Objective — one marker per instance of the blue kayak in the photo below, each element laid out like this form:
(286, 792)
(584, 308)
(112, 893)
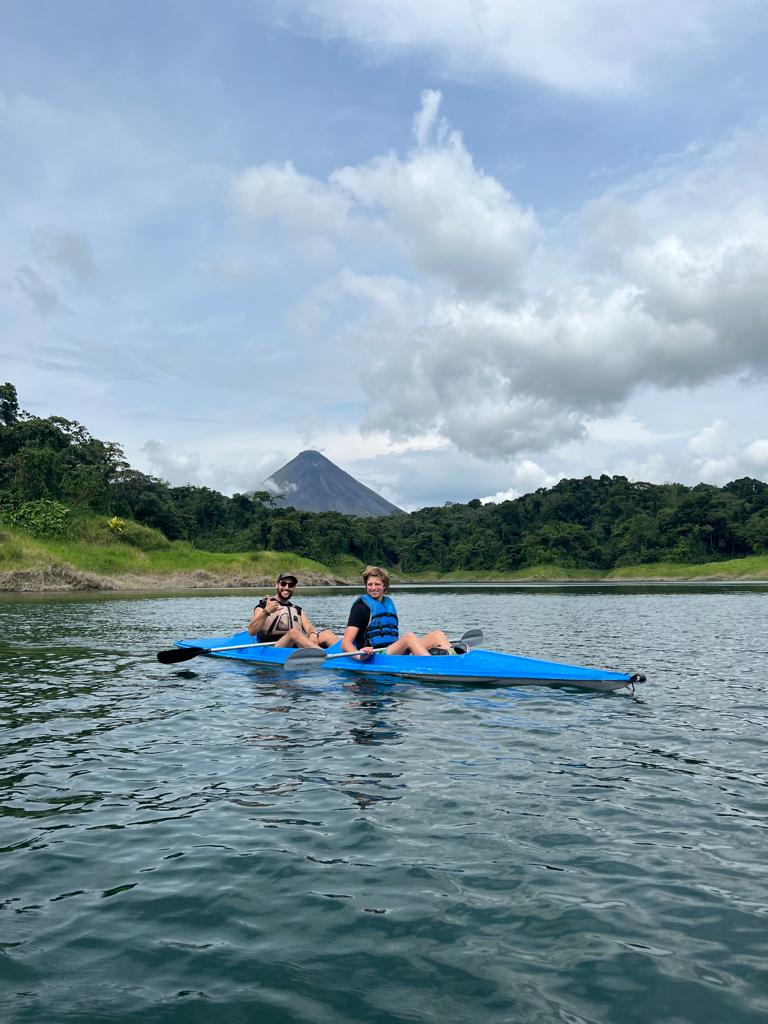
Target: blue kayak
(475, 666)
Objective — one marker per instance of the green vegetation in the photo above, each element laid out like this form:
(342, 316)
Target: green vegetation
(41, 518)
(66, 496)
(754, 568)
(94, 552)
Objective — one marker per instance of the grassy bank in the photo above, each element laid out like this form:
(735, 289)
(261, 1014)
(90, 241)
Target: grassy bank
(752, 568)
(141, 557)
(151, 561)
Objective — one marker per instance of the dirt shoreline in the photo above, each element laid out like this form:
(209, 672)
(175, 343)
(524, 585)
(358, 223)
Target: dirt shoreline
(60, 578)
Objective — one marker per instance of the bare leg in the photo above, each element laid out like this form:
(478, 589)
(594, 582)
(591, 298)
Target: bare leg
(295, 638)
(409, 643)
(436, 638)
(327, 638)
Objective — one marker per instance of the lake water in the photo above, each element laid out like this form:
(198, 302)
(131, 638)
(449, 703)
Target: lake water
(210, 842)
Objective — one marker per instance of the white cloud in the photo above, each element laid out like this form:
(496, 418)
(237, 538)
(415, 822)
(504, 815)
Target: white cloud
(586, 46)
(416, 478)
(234, 464)
(717, 461)
(508, 340)
(623, 430)
(711, 439)
(425, 120)
(657, 468)
(678, 309)
(301, 203)
(172, 465)
(756, 456)
(346, 446)
(454, 221)
(450, 220)
(274, 488)
(528, 476)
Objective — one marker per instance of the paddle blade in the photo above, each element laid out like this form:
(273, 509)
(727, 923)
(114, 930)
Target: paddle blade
(177, 654)
(472, 637)
(303, 657)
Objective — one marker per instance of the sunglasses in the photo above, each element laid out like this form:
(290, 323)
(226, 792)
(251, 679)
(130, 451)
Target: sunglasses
(285, 583)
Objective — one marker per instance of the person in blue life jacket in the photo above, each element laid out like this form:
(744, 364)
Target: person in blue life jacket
(276, 619)
(373, 623)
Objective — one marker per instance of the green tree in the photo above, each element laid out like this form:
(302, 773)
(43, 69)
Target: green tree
(9, 405)
(286, 532)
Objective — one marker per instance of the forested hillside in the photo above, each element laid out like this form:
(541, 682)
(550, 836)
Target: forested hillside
(53, 473)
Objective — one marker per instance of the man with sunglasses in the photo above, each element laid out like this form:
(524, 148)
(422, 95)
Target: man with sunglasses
(276, 619)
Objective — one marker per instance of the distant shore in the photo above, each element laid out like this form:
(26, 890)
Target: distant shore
(58, 578)
(62, 578)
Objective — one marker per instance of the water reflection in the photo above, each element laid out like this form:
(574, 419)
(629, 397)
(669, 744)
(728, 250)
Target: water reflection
(378, 712)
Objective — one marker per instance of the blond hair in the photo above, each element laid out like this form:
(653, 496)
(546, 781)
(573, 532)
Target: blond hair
(374, 570)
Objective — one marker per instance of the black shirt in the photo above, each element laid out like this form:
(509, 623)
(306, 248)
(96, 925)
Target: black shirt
(360, 616)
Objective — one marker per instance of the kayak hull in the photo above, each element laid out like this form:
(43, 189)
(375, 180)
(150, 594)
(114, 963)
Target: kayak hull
(477, 666)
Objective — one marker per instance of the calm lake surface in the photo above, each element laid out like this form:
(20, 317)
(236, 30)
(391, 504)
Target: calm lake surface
(210, 842)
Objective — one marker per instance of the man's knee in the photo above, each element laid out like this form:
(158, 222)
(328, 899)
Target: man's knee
(327, 638)
(292, 638)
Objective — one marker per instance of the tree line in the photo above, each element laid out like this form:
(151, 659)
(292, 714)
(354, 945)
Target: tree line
(52, 471)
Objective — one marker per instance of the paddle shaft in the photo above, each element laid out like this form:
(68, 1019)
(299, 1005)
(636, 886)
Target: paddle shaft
(237, 647)
(347, 654)
(177, 654)
(316, 654)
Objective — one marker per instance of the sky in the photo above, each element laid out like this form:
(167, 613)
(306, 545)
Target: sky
(464, 249)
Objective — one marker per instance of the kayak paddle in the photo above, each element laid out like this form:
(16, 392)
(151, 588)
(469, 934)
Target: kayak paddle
(177, 654)
(305, 655)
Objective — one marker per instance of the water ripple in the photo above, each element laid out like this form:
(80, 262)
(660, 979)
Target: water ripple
(222, 843)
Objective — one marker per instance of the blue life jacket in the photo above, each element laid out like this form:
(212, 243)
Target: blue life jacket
(382, 627)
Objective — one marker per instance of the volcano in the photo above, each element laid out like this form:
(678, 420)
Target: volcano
(312, 483)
